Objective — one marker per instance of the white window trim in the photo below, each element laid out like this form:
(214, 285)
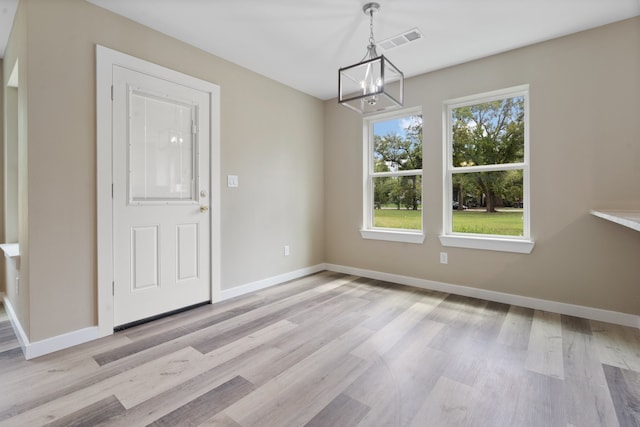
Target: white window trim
(393, 235)
(489, 243)
(517, 244)
(368, 231)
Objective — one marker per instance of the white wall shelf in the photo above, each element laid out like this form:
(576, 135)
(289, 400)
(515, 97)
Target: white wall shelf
(10, 250)
(629, 219)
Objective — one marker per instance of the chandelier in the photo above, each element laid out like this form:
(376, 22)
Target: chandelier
(374, 84)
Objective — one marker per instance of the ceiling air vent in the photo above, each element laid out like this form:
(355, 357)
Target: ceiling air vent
(409, 36)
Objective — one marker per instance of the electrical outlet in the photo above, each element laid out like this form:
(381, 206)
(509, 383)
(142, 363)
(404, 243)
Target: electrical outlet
(444, 258)
(286, 250)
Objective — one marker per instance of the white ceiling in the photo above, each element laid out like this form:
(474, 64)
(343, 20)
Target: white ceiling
(302, 43)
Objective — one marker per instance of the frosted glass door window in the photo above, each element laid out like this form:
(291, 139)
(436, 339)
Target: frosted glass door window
(162, 149)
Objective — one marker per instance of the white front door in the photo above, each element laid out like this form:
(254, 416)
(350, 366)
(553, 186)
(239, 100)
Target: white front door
(161, 176)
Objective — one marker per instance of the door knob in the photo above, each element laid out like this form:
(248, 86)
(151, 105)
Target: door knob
(203, 209)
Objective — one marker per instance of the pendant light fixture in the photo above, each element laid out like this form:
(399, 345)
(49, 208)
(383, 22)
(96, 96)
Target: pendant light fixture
(374, 84)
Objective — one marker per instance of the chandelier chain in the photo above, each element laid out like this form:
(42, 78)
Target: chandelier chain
(371, 39)
(372, 53)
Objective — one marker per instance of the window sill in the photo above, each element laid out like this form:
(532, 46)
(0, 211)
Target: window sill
(488, 243)
(393, 236)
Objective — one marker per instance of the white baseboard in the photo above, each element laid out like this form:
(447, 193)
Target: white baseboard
(15, 324)
(270, 281)
(59, 342)
(591, 313)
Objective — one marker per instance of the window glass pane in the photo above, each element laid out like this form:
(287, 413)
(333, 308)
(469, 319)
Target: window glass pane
(397, 144)
(162, 154)
(488, 203)
(488, 133)
(397, 202)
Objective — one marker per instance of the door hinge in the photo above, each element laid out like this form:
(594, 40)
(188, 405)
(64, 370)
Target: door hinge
(112, 191)
(113, 288)
(112, 92)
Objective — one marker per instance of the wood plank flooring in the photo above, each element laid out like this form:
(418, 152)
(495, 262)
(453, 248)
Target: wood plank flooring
(335, 350)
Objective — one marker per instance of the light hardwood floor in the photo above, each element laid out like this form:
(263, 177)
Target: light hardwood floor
(335, 350)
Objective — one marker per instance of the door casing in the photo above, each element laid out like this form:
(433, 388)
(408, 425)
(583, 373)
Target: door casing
(105, 60)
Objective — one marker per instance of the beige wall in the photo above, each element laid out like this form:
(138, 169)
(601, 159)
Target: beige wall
(16, 53)
(585, 154)
(271, 137)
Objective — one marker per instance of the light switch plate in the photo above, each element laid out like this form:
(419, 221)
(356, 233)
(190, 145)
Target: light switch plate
(232, 180)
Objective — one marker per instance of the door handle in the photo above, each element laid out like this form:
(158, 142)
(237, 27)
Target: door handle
(203, 209)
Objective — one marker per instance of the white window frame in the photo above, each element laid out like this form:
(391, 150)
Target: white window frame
(517, 244)
(368, 231)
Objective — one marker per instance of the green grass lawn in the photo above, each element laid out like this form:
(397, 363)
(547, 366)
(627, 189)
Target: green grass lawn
(506, 223)
(397, 218)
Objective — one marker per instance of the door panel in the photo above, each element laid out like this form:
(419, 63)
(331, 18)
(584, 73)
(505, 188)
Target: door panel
(144, 250)
(160, 181)
(188, 248)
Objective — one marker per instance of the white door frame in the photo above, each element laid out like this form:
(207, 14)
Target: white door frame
(105, 60)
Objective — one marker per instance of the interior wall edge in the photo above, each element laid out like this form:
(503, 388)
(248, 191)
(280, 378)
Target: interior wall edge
(31, 350)
(15, 324)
